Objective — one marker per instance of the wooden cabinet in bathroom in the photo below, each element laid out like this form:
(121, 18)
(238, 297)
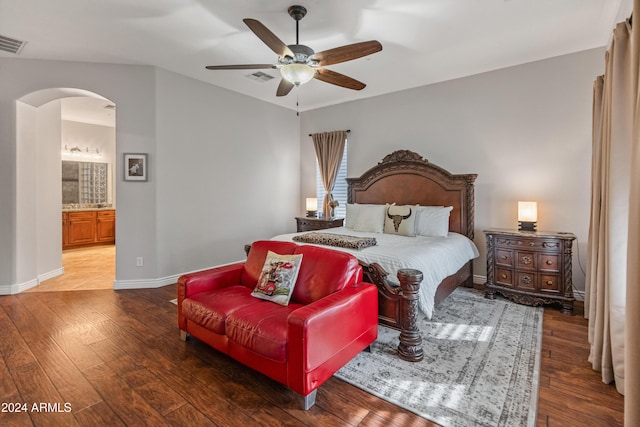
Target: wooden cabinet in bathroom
(88, 228)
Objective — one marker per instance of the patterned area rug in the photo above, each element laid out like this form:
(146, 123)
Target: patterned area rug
(481, 364)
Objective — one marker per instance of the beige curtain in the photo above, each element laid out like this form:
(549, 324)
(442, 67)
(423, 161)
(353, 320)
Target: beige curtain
(632, 338)
(329, 149)
(612, 299)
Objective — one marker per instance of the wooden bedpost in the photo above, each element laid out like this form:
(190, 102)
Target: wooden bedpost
(410, 347)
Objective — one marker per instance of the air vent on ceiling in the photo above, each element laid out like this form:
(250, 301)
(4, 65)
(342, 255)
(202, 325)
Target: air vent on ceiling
(260, 76)
(11, 45)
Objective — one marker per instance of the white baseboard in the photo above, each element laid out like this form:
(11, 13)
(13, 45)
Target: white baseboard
(50, 275)
(16, 288)
(479, 280)
(145, 283)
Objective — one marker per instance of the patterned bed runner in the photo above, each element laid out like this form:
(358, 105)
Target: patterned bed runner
(339, 240)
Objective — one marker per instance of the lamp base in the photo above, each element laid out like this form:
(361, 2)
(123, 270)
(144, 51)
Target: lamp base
(526, 226)
(312, 214)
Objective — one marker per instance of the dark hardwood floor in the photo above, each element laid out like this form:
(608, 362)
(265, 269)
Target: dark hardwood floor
(114, 358)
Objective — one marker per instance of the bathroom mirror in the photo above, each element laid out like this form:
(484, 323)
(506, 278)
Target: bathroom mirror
(84, 183)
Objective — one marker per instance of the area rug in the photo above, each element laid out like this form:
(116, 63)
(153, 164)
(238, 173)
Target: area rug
(481, 364)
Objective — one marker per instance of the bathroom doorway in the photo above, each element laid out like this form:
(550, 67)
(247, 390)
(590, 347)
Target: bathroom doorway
(75, 127)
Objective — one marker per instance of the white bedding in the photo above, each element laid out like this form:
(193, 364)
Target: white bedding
(436, 257)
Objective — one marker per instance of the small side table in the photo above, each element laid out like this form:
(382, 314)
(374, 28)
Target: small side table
(530, 267)
(313, 223)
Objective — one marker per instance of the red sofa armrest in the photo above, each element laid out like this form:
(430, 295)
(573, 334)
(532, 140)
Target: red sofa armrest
(213, 278)
(201, 281)
(323, 329)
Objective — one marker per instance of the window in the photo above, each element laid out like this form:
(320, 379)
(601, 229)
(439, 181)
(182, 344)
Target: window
(339, 189)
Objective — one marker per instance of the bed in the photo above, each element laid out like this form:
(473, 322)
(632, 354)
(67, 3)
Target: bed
(405, 178)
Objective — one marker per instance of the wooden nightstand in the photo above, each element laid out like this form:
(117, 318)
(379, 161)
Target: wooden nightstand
(530, 267)
(313, 223)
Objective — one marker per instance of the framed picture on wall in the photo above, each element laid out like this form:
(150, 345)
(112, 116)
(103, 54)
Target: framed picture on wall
(135, 167)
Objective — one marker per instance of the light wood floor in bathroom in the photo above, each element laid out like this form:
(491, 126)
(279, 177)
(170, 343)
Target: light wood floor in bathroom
(84, 269)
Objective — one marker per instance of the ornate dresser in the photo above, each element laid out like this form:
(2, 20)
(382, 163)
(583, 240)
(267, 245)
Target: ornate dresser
(530, 267)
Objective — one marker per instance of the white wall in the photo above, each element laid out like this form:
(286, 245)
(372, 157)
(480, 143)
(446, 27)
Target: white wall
(228, 173)
(525, 130)
(26, 248)
(48, 190)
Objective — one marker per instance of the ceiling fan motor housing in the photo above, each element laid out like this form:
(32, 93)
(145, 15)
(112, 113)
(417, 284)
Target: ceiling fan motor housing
(301, 53)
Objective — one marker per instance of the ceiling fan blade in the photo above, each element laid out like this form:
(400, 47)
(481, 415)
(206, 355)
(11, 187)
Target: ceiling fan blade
(268, 38)
(284, 87)
(338, 79)
(240, 67)
(347, 52)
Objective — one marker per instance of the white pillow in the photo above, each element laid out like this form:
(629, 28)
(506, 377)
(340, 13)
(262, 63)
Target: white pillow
(433, 221)
(370, 218)
(400, 220)
(352, 214)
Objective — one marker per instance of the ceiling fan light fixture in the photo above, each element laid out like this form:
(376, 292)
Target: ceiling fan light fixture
(297, 74)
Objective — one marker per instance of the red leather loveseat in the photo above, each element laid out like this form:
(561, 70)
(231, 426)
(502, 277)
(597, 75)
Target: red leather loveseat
(331, 317)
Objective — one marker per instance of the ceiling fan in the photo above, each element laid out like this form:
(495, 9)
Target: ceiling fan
(299, 63)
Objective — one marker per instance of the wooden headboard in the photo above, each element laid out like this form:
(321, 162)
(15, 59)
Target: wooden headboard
(405, 178)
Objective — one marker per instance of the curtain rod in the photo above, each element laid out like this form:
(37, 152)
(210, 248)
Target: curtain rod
(347, 131)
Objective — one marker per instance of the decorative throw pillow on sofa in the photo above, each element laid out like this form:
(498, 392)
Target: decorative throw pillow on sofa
(278, 278)
(400, 220)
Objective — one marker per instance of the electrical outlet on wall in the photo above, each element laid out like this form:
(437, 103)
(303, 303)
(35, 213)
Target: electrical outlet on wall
(139, 261)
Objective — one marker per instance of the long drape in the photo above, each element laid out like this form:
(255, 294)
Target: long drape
(612, 299)
(329, 148)
(632, 337)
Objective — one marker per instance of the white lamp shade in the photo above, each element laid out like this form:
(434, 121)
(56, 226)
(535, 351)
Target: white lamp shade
(312, 204)
(528, 211)
(297, 73)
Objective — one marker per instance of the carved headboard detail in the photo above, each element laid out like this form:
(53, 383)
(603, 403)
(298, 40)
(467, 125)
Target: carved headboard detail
(405, 178)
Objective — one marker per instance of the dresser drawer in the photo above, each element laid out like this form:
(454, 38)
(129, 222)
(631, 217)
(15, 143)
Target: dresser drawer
(504, 257)
(531, 243)
(526, 280)
(549, 262)
(550, 283)
(504, 277)
(312, 223)
(526, 261)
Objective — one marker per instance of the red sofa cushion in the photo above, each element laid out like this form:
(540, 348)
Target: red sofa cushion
(322, 272)
(211, 309)
(258, 254)
(262, 328)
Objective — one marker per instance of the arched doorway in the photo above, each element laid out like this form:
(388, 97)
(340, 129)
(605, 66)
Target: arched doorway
(44, 125)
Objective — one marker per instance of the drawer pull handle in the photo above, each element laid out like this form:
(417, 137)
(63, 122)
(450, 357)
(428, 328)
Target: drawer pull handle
(549, 262)
(549, 282)
(504, 257)
(504, 276)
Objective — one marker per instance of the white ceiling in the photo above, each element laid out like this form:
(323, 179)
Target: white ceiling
(424, 41)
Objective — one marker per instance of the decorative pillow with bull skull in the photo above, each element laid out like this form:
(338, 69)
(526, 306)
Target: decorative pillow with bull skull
(400, 220)
(278, 278)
